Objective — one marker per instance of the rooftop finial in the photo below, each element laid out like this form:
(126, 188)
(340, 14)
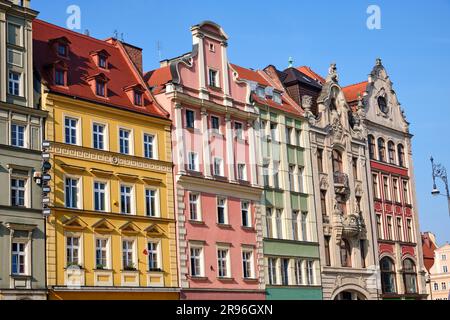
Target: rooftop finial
(290, 62)
(378, 62)
(332, 73)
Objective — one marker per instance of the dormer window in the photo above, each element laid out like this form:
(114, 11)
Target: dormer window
(276, 97)
(100, 58)
(100, 87)
(62, 50)
(59, 70)
(60, 77)
(261, 92)
(102, 62)
(138, 98)
(213, 78)
(61, 46)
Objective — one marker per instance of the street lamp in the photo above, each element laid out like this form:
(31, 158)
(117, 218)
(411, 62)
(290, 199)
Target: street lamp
(438, 171)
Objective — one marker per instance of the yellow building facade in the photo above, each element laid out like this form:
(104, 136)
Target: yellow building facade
(101, 252)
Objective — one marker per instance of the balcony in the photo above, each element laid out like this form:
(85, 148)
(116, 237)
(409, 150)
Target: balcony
(352, 225)
(341, 185)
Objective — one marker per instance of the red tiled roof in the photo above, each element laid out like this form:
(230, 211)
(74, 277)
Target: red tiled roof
(247, 74)
(158, 76)
(284, 106)
(352, 92)
(428, 248)
(81, 66)
(310, 73)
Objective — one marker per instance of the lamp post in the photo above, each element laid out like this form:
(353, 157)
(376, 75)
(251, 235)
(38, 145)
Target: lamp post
(438, 171)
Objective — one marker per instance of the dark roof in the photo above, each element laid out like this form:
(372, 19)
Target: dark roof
(293, 75)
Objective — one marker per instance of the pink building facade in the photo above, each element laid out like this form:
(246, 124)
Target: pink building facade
(217, 188)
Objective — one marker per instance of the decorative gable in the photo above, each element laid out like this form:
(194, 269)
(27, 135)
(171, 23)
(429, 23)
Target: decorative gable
(130, 228)
(74, 223)
(103, 225)
(155, 230)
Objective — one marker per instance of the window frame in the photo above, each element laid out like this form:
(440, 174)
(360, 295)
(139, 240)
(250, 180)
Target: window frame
(132, 199)
(223, 206)
(200, 258)
(25, 254)
(197, 206)
(153, 144)
(107, 207)
(130, 140)
(157, 204)
(77, 128)
(104, 135)
(107, 249)
(79, 186)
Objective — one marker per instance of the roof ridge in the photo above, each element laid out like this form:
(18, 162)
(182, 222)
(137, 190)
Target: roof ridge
(355, 84)
(75, 33)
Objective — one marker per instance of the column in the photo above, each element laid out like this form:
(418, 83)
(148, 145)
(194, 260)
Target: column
(198, 39)
(205, 141)
(229, 149)
(225, 79)
(254, 157)
(3, 77)
(179, 150)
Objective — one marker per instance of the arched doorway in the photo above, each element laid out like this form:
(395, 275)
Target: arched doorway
(349, 295)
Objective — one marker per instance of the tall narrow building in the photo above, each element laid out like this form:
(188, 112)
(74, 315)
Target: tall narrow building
(341, 180)
(22, 231)
(217, 186)
(393, 186)
(111, 231)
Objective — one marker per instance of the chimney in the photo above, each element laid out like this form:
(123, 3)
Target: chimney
(135, 55)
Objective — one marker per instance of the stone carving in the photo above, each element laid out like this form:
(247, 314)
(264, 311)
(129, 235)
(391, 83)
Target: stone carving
(332, 73)
(307, 104)
(323, 182)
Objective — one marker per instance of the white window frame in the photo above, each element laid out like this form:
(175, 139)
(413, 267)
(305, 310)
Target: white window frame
(279, 227)
(80, 247)
(79, 204)
(195, 165)
(25, 254)
(107, 195)
(197, 204)
(158, 255)
(275, 273)
(21, 40)
(225, 209)
(108, 250)
(157, 202)
(133, 252)
(301, 179)
(104, 134)
(251, 261)
(249, 213)
(227, 262)
(26, 197)
(216, 79)
(132, 199)
(310, 277)
(200, 258)
(215, 130)
(218, 161)
(186, 118)
(25, 134)
(242, 175)
(154, 145)
(130, 140)
(276, 97)
(78, 127)
(16, 84)
(239, 133)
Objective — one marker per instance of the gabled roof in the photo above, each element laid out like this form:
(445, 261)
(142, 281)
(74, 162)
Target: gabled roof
(295, 75)
(82, 66)
(352, 92)
(250, 75)
(310, 73)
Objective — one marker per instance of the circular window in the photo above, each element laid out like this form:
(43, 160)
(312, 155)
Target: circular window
(382, 104)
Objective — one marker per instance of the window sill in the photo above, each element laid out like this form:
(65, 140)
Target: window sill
(216, 134)
(249, 229)
(250, 279)
(215, 88)
(224, 226)
(227, 279)
(20, 276)
(198, 278)
(197, 222)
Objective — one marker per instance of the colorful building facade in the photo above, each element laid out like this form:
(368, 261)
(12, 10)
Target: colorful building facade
(111, 231)
(218, 190)
(22, 231)
(393, 188)
(439, 274)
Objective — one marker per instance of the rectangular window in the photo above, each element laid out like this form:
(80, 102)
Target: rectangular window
(379, 228)
(298, 135)
(102, 62)
(196, 255)
(320, 160)
(272, 270)
(409, 230)
(221, 214)
(247, 264)
(395, 186)
(18, 189)
(215, 124)
(355, 168)
(362, 250)
(261, 92)
(14, 81)
(376, 191)
(100, 88)
(289, 131)
(18, 255)
(125, 199)
(189, 119)
(444, 269)
(60, 78)
(387, 194)
(70, 129)
(213, 79)
(151, 203)
(245, 213)
(238, 131)
(323, 202)
(72, 192)
(291, 177)
(99, 196)
(101, 253)
(269, 224)
(137, 97)
(128, 255)
(72, 251)
(279, 223)
(124, 141)
(399, 229)
(274, 131)
(276, 97)
(193, 161)
(285, 272)
(242, 172)
(327, 251)
(309, 272)
(405, 192)
(17, 135)
(300, 177)
(153, 256)
(62, 50)
(295, 230)
(222, 263)
(304, 225)
(266, 175)
(14, 34)
(193, 207)
(98, 136)
(298, 272)
(218, 167)
(389, 227)
(276, 175)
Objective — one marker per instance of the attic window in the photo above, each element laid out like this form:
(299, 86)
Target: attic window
(137, 98)
(276, 98)
(261, 92)
(60, 77)
(62, 49)
(103, 62)
(212, 47)
(100, 88)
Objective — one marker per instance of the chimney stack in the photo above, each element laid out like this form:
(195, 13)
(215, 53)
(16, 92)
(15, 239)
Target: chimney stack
(135, 55)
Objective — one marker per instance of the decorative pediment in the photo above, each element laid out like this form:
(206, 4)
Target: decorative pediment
(103, 225)
(74, 223)
(130, 228)
(152, 181)
(98, 76)
(155, 230)
(126, 176)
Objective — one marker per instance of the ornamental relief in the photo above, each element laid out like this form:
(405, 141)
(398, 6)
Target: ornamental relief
(104, 157)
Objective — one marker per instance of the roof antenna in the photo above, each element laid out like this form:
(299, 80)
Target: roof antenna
(290, 62)
(121, 37)
(159, 49)
(86, 32)
(115, 34)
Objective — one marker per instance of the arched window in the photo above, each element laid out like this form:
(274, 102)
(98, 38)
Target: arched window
(391, 152)
(371, 141)
(401, 155)
(409, 276)
(382, 104)
(436, 286)
(337, 161)
(333, 104)
(381, 150)
(346, 253)
(387, 275)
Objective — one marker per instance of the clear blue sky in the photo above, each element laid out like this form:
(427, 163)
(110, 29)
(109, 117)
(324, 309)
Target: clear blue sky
(414, 43)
